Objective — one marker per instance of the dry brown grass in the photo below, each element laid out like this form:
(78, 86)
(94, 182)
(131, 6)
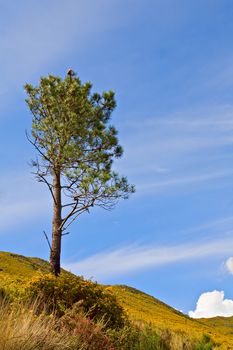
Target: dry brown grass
(21, 329)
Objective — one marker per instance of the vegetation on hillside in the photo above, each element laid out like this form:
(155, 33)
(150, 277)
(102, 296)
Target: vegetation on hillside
(142, 308)
(87, 314)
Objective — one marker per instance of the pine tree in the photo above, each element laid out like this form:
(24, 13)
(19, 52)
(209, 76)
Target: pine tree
(75, 147)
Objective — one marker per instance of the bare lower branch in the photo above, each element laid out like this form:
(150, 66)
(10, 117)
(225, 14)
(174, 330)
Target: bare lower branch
(47, 239)
(68, 205)
(65, 234)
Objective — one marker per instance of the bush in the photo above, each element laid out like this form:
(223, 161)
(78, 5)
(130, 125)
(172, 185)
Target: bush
(92, 336)
(206, 343)
(9, 289)
(57, 294)
(132, 337)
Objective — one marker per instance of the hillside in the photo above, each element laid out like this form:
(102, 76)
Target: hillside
(225, 324)
(144, 308)
(140, 307)
(18, 267)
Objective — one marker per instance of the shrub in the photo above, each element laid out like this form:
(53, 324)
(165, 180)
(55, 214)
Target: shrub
(206, 343)
(10, 289)
(59, 294)
(92, 336)
(132, 337)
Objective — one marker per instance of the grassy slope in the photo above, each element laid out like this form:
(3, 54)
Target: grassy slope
(140, 307)
(225, 324)
(18, 267)
(144, 308)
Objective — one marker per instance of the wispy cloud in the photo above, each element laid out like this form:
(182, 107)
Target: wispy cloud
(40, 35)
(175, 137)
(133, 258)
(17, 213)
(212, 228)
(192, 145)
(161, 185)
(22, 200)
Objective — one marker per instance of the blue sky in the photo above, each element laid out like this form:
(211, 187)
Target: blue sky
(170, 64)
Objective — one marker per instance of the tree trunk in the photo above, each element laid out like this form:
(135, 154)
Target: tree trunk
(55, 253)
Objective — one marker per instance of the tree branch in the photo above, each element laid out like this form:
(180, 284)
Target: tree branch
(48, 184)
(47, 239)
(37, 148)
(68, 215)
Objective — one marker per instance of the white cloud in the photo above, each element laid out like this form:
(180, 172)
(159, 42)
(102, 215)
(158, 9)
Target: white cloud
(212, 304)
(229, 265)
(133, 258)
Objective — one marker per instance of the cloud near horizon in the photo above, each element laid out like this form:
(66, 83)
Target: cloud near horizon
(212, 304)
